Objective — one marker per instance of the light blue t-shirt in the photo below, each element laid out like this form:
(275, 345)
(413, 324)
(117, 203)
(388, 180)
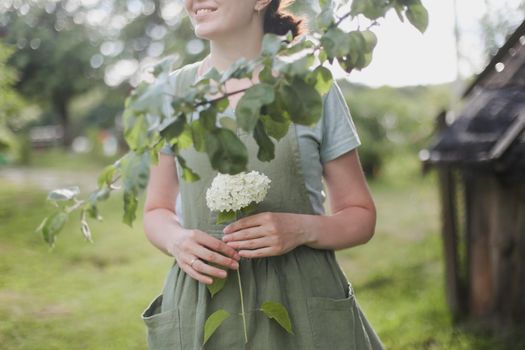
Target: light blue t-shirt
(332, 136)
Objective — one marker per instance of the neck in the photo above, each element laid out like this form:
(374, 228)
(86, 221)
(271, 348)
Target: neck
(227, 50)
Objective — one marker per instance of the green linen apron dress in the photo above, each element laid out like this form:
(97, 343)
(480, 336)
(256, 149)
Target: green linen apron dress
(308, 282)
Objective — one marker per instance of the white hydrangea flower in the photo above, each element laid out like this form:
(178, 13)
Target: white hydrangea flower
(234, 192)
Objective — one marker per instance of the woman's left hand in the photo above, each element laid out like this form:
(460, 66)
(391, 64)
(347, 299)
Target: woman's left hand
(266, 234)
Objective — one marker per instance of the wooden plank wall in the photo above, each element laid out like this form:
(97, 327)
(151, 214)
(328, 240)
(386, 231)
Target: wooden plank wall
(496, 230)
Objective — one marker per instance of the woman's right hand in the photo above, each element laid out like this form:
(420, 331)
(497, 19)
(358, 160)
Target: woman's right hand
(191, 243)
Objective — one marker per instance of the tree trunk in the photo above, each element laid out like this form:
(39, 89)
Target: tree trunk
(61, 107)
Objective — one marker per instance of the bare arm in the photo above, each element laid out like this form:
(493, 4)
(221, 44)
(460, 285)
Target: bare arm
(160, 219)
(353, 217)
(164, 231)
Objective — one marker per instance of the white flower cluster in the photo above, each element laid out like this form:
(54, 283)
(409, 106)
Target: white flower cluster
(234, 192)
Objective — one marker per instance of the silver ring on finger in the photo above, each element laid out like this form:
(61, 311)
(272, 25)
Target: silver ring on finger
(194, 259)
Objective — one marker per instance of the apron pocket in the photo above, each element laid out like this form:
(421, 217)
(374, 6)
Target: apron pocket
(163, 327)
(333, 322)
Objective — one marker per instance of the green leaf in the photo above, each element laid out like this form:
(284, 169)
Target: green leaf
(277, 130)
(228, 123)
(188, 174)
(325, 18)
(135, 174)
(266, 150)
(225, 216)
(248, 107)
(174, 129)
(417, 14)
(53, 225)
(302, 101)
(279, 313)
(271, 44)
(135, 130)
(299, 67)
(218, 283)
(370, 39)
(237, 70)
(336, 42)
(208, 118)
(130, 208)
(249, 209)
(63, 194)
(198, 134)
(321, 78)
(372, 9)
(266, 75)
(185, 139)
(106, 177)
(212, 74)
(213, 322)
(226, 151)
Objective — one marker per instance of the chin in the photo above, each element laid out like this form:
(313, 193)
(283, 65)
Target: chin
(208, 33)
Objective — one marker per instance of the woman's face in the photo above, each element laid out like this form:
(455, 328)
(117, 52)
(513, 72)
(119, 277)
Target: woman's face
(213, 19)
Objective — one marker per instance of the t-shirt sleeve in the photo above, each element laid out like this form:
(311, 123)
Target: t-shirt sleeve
(339, 134)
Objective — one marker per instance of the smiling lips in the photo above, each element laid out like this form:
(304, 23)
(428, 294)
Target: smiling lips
(204, 11)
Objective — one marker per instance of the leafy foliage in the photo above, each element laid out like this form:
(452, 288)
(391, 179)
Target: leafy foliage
(11, 102)
(293, 82)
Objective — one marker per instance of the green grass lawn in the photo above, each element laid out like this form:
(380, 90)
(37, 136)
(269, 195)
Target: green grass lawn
(90, 296)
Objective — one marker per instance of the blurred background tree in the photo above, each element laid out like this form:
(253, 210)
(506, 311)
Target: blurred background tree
(11, 103)
(496, 23)
(79, 60)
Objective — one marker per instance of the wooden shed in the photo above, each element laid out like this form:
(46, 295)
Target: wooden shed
(480, 159)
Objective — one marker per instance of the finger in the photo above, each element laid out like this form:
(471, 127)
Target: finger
(242, 223)
(201, 267)
(196, 275)
(245, 234)
(251, 244)
(206, 254)
(217, 246)
(258, 253)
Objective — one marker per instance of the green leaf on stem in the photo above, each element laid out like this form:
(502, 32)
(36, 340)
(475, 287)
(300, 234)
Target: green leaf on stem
(372, 9)
(188, 174)
(225, 216)
(417, 14)
(249, 209)
(275, 129)
(321, 78)
(175, 129)
(106, 177)
(213, 322)
(135, 130)
(227, 153)
(208, 118)
(266, 150)
(248, 107)
(279, 313)
(52, 225)
(135, 174)
(63, 194)
(302, 101)
(218, 283)
(271, 44)
(130, 208)
(228, 123)
(198, 135)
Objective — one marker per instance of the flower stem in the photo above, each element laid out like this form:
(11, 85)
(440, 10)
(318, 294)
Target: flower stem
(242, 300)
(242, 307)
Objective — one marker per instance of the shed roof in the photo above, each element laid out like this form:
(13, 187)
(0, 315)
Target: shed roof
(490, 129)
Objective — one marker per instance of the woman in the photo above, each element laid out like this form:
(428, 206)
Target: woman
(287, 246)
